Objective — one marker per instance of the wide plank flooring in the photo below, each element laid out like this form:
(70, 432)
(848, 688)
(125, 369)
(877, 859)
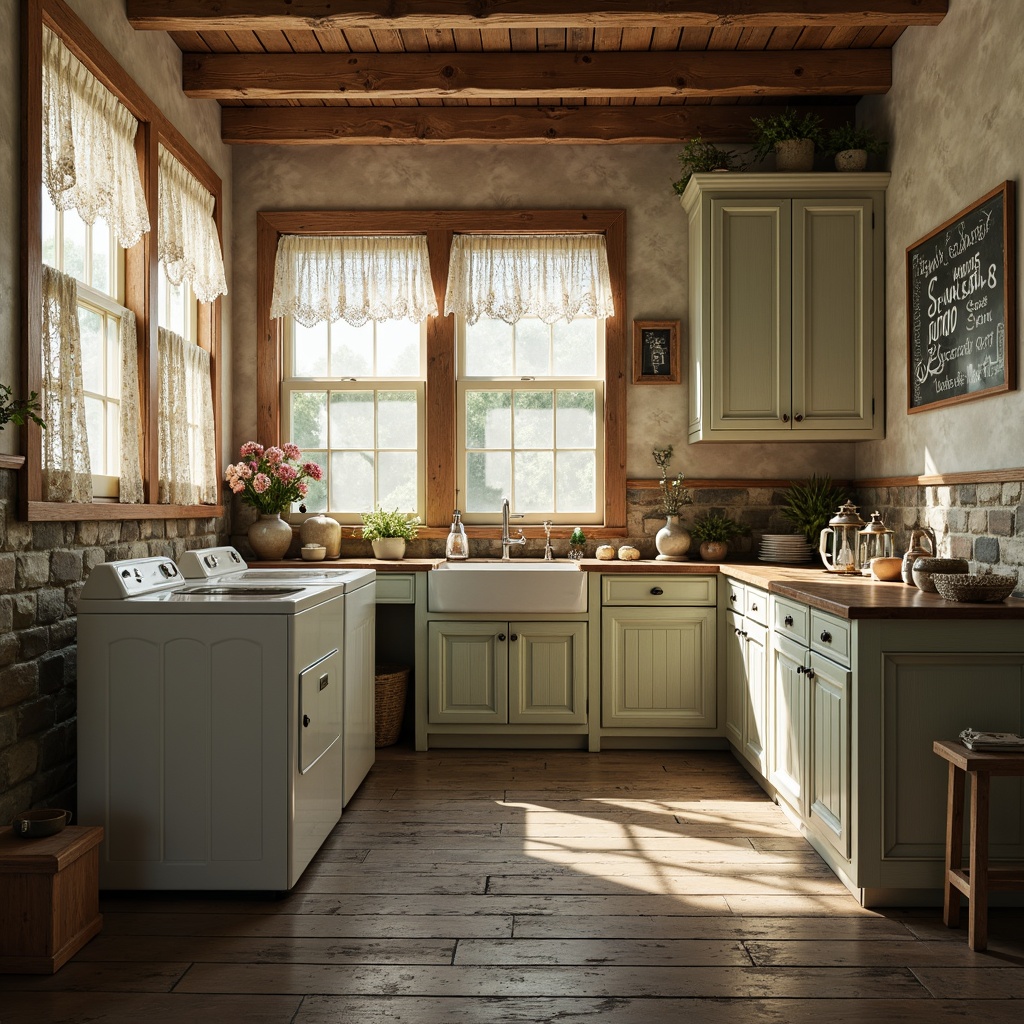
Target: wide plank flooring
(471, 887)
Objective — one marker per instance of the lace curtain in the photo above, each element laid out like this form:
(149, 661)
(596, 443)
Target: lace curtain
(67, 474)
(89, 161)
(188, 462)
(507, 277)
(188, 245)
(130, 488)
(351, 278)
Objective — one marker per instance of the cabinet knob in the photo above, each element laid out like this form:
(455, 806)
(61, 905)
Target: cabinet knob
(826, 636)
(785, 417)
(501, 636)
(788, 620)
(799, 417)
(305, 721)
(514, 637)
(800, 670)
(657, 591)
(810, 673)
(753, 607)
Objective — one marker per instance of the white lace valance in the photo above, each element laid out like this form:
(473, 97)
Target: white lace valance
(506, 277)
(89, 162)
(353, 278)
(188, 245)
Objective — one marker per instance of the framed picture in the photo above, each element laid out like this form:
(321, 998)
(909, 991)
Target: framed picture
(656, 352)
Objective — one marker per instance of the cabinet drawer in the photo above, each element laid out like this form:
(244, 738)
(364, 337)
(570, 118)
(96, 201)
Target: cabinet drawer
(396, 588)
(735, 596)
(792, 619)
(757, 605)
(658, 590)
(830, 636)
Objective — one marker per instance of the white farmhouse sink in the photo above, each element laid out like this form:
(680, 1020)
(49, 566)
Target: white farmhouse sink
(507, 588)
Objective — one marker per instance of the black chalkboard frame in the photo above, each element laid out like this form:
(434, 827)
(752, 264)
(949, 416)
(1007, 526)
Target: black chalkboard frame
(1009, 296)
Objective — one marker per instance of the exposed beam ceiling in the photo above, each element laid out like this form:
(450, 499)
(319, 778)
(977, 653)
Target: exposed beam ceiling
(550, 76)
(290, 15)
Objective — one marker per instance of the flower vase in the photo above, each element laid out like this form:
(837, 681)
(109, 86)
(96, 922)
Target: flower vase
(270, 537)
(672, 541)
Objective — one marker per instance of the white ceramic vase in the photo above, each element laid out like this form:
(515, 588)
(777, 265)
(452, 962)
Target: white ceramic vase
(672, 541)
(389, 548)
(270, 537)
(323, 530)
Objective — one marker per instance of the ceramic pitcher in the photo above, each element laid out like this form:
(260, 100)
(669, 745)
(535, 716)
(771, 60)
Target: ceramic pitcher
(918, 537)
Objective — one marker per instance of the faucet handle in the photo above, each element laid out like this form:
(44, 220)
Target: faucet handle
(547, 528)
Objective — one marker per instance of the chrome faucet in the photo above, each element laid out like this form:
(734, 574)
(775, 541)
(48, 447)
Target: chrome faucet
(506, 540)
(549, 555)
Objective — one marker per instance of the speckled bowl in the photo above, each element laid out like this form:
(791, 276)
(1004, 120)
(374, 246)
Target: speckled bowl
(924, 568)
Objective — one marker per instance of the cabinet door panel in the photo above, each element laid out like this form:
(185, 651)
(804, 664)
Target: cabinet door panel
(547, 672)
(468, 672)
(735, 678)
(754, 724)
(658, 667)
(832, 314)
(750, 315)
(828, 800)
(789, 702)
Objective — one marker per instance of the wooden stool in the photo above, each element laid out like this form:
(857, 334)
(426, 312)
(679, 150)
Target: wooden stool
(975, 881)
(49, 907)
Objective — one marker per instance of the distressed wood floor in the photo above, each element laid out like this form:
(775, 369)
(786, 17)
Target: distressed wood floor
(490, 888)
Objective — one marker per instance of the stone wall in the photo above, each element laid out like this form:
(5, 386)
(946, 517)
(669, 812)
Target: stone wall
(43, 567)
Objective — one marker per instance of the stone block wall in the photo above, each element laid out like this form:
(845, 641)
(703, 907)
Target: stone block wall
(43, 567)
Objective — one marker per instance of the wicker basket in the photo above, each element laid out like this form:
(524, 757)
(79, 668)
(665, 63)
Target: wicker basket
(390, 685)
(982, 587)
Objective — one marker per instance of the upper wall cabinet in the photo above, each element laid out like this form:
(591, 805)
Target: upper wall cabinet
(786, 306)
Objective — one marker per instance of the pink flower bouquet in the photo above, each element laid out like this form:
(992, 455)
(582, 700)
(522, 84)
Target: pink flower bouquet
(271, 479)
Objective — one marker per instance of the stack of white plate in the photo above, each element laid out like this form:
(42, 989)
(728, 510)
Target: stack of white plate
(784, 547)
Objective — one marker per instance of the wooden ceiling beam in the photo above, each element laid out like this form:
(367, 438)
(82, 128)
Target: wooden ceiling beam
(505, 124)
(297, 15)
(411, 76)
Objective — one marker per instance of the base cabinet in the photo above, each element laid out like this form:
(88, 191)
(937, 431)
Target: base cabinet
(746, 673)
(498, 673)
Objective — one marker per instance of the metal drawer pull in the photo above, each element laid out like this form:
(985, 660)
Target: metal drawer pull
(810, 673)
(753, 607)
(800, 670)
(514, 637)
(657, 591)
(788, 620)
(826, 636)
(501, 636)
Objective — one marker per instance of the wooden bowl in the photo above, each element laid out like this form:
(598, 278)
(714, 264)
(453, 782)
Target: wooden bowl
(886, 570)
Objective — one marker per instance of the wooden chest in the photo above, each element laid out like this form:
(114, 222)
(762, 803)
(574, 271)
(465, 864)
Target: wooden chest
(49, 898)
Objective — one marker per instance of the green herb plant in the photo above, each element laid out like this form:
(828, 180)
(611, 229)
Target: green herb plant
(698, 156)
(715, 526)
(809, 506)
(18, 410)
(788, 125)
(849, 136)
(380, 523)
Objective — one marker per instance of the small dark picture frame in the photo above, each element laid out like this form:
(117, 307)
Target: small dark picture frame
(656, 352)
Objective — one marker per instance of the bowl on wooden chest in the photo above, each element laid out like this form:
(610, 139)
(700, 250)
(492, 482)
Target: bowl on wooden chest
(924, 568)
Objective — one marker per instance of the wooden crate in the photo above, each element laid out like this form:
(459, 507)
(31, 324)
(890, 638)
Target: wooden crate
(49, 907)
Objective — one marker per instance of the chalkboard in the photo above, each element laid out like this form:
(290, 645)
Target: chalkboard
(961, 294)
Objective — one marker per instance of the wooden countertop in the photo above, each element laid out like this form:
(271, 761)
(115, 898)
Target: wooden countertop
(849, 597)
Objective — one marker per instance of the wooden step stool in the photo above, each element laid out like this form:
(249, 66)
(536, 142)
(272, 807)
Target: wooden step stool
(975, 881)
(49, 898)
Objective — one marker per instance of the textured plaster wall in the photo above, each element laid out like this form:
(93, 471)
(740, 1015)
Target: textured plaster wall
(635, 178)
(953, 118)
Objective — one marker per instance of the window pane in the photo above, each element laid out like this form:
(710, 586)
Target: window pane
(351, 481)
(316, 496)
(488, 480)
(533, 349)
(351, 350)
(488, 349)
(488, 419)
(396, 480)
(534, 419)
(577, 419)
(398, 349)
(90, 324)
(575, 348)
(309, 419)
(352, 419)
(101, 277)
(49, 231)
(309, 350)
(535, 489)
(74, 245)
(396, 421)
(574, 482)
(94, 416)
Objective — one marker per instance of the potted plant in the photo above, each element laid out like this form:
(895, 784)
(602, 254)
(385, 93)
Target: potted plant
(791, 137)
(809, 506)
(389, 531)
(698, 156)
(672, 540)
(17, 410)
(851, 146)
(714, 530)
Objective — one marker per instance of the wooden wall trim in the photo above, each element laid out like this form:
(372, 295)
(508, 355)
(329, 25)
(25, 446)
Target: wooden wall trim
(57, 511)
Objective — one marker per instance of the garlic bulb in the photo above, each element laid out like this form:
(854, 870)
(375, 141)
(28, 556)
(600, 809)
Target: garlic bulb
(605, 552)
(628, 553)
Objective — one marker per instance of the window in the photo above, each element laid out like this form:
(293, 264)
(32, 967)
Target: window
(353, 401)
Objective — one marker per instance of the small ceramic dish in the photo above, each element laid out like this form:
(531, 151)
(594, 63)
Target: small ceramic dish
(886, 570)
(313, 552)
(39, 824)
(924, 568)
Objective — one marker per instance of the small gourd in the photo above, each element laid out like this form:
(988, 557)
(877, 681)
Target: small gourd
(628, 553)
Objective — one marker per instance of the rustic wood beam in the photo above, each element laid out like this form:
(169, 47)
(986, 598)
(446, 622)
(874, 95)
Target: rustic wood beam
(292, 15)
(509, 124)
(411, 76)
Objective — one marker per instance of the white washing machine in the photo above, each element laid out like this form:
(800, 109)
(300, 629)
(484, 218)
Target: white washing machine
(357, 639)
(209, 727)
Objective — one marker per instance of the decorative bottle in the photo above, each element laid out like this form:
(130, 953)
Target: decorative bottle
(456, 547)
(577, 544)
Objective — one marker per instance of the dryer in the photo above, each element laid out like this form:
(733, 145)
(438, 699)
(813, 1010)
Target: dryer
(209, 727)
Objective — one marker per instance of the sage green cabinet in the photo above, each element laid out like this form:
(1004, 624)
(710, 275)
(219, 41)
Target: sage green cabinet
(786, 306)
(498, 673)
(746, 673)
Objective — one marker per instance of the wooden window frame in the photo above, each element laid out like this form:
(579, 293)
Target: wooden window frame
(141, 267)
(439, 227)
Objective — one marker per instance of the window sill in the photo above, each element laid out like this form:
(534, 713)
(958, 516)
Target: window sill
(58, 511)
(12, 461)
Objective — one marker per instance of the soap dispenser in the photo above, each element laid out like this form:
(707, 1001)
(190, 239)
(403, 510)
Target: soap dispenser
(456, 547)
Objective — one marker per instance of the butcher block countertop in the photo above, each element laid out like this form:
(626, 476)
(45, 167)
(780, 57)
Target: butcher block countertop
(849, 597)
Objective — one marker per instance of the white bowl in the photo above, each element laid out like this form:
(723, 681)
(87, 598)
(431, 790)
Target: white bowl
(313, 552)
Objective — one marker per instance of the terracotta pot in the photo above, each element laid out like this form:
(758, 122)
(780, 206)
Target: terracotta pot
(389, 548)
(270, 537)
(794, 155)
(672, 541)
(714, 550)
(852, 160)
